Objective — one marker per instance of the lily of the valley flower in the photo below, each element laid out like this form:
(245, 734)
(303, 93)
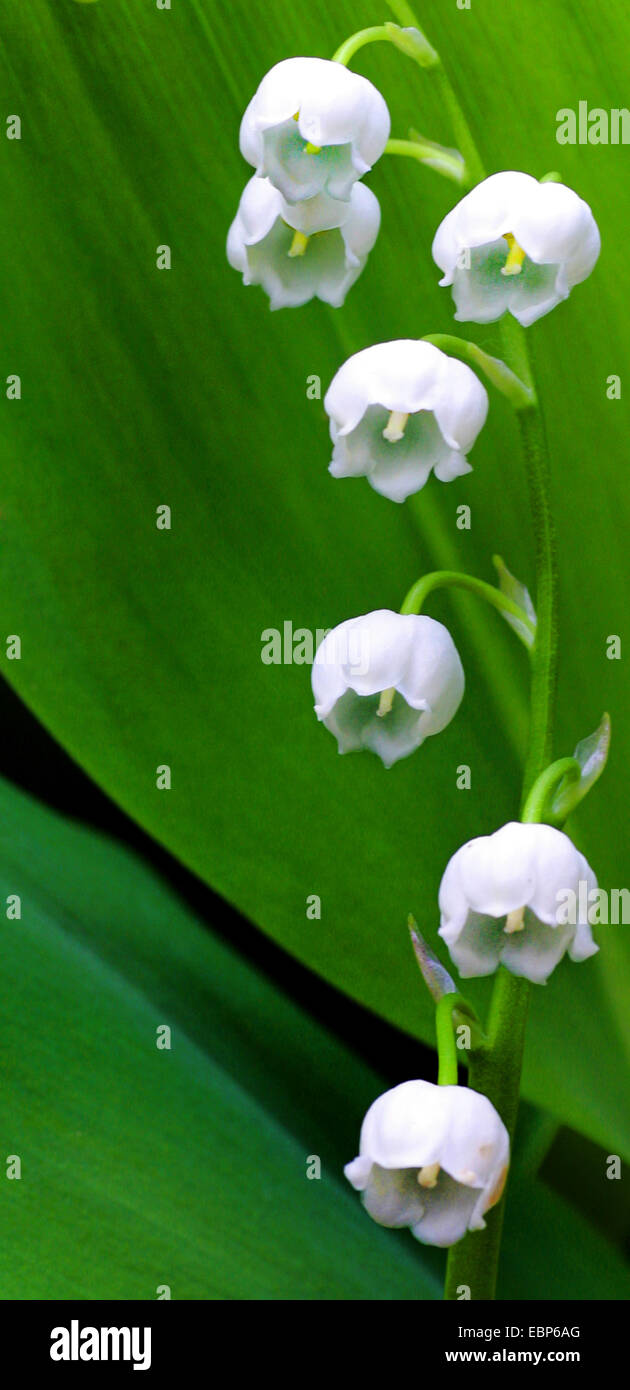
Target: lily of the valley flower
(434, 1158)
(400, 409)
(386, 681)
(314, 127)
(501, 902)
(273, 245)
(515, 244)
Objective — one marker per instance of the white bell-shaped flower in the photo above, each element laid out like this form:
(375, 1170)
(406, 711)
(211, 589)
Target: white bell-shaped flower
(386, 681)
(400, 409)
(514, 898)
(434, 1158)
(314, 127)
(291, 263)
(515, 244)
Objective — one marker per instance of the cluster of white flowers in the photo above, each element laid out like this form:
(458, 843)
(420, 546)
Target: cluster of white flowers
(433, 1158)
(501, 894)
(305, 224)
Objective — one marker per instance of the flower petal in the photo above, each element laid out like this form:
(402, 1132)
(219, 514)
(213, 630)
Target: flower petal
(536, 950)
(405, 375)
(482, 216)
(334, 105)
(554, 227)
(392, 1196)
(453, 1130)
(380, 651)
(532, 867)
(444, 401)
(448, 1215)
(261, 235)
(406, 1127)
(475, 948)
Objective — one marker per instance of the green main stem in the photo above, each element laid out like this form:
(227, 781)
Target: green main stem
(545, 658)
(471, 1270)
(496, 1069)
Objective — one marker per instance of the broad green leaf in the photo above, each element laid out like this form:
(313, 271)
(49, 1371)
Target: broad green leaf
(143, 387)
(143, 1166)
(550, 1250)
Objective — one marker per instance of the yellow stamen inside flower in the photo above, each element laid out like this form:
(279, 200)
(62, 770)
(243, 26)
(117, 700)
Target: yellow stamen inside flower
(516, 256)
(298, 245)
(428, 1176)
(310, 149)
(395, 427)
(386, 701)
(514, 920)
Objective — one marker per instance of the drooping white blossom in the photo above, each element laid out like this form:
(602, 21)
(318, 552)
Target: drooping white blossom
(434, 1158)
(515, 244)
(314, 127)
(273, 245)
(386, 681)
(399, 410)
(503, 900)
